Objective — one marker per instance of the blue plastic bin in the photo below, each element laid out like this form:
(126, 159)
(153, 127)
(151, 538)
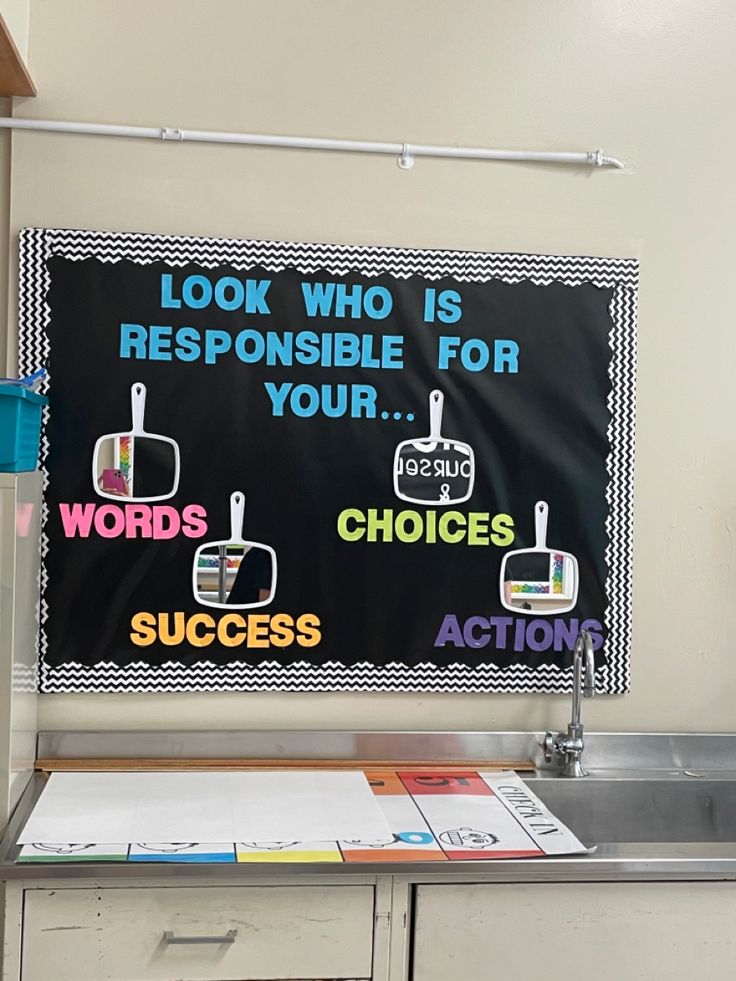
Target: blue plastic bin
(20, 428)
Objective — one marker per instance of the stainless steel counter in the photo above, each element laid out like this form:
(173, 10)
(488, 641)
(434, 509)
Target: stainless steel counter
(607, 751)
(657, 806)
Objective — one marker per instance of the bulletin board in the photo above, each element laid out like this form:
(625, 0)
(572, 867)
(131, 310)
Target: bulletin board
(284, 466)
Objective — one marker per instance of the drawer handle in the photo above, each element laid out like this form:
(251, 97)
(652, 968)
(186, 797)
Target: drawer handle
(229, 938)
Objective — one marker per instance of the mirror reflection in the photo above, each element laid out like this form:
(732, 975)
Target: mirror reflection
(236, 575)
(434, 473)
(138, 468)
(539, 581)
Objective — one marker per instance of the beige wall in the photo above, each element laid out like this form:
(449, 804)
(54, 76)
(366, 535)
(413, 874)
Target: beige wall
(16, 14)
(5, 240)
(649, 81)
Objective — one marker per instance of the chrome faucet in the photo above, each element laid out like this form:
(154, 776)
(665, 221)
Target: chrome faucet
(569, 748)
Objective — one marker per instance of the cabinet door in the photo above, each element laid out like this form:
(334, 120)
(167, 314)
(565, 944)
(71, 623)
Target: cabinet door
(299, 932)
(613, 931)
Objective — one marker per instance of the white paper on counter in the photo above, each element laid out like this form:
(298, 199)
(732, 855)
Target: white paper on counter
(286, 805)
(547, 831)
(73, 852)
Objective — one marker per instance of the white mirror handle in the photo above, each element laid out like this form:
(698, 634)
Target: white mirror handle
(541, 513)
(436, 405)
(137, 406)
(237, 514)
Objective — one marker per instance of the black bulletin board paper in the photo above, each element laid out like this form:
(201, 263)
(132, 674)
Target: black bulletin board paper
(285, 378)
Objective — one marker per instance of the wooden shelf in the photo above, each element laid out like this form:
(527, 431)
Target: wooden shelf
(14, 77)
(177, 763)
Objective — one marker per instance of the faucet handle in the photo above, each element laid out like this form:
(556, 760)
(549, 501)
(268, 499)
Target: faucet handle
(551, 745)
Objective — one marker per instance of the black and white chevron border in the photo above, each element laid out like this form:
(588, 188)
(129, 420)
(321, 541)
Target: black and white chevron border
(620, 275)
(303, 676)
(620, 491)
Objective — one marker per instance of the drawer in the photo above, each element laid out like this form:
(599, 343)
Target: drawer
(295, 932)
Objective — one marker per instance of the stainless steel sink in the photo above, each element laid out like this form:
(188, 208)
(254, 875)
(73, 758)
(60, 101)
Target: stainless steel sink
(651, 820)
(680, 809)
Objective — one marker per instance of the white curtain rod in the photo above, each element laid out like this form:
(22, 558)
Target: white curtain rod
(404, 152)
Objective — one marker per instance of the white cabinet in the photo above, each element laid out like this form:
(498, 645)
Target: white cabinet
(20, 518)
(234, 932)
(368, 928)
(610, 931)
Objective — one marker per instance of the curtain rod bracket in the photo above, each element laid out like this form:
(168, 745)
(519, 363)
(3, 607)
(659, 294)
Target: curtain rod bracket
(406, 158)
(597, 158)
(171, 133)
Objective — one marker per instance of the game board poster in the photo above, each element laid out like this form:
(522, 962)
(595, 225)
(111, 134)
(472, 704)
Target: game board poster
(281, 466)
